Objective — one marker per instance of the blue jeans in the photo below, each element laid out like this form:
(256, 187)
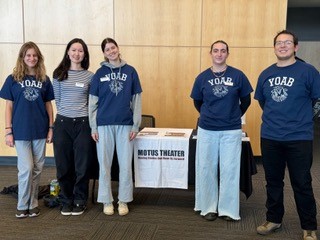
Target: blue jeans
(31, 156)
(297, 155)
(218, 158)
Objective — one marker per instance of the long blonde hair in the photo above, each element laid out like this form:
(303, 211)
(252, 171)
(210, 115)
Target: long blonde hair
(21, 70)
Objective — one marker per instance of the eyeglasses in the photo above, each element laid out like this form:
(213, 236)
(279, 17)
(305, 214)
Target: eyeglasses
(286, 42)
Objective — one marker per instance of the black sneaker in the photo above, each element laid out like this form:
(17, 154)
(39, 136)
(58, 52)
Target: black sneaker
(22, 213)
(34, 212)
(211, 216)
(78, 209)
(66, 210)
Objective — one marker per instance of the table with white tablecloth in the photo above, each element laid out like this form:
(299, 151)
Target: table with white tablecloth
(161, 158)
(170, 152)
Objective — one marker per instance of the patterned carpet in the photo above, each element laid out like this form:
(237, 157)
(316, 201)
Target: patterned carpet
(156, 214)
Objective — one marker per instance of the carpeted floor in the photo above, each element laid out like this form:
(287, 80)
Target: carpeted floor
(156, 214)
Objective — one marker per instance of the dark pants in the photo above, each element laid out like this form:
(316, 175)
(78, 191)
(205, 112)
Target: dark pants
(297, 155)
(74, 150)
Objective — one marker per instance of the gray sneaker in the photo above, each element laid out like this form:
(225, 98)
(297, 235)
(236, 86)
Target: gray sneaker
(22, 213)
(34, 212)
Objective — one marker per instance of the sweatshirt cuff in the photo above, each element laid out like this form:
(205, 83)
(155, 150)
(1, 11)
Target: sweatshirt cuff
(135, 129)
(94, 130)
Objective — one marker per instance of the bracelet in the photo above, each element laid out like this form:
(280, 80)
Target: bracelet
(7, 127)
(7, 134)
(51, 127)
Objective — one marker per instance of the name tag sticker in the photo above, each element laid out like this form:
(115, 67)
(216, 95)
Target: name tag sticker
(103, 79)
(228, 83)
(79, 84)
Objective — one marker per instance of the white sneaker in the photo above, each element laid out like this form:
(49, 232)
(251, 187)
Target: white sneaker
(309, 235)
(108, 209)
(123, 208)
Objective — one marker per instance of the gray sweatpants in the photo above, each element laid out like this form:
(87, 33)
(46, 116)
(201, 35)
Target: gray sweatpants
(109, 136)
(31, 156)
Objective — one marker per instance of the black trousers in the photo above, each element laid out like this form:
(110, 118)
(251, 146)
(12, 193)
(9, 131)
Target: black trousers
(74, 150)
(297, 155)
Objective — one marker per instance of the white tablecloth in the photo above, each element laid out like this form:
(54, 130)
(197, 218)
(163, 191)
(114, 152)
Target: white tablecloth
(161, 158)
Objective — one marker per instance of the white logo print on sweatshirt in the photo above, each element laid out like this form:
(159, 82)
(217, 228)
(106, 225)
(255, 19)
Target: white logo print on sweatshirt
(220, 86)
(116, 81)
(116, 86)
(31, 93)
(279, 92)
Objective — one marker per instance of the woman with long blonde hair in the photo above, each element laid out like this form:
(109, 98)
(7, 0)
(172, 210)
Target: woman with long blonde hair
(28, 117)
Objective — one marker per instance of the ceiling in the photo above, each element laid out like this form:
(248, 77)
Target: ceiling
(303, 3)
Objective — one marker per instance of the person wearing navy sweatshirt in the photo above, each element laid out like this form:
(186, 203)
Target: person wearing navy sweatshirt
(221, 95)
(286, 92)
(115, 117)
(28, 117)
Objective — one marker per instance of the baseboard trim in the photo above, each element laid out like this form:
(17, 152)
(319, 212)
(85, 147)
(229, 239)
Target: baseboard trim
(12, 161)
